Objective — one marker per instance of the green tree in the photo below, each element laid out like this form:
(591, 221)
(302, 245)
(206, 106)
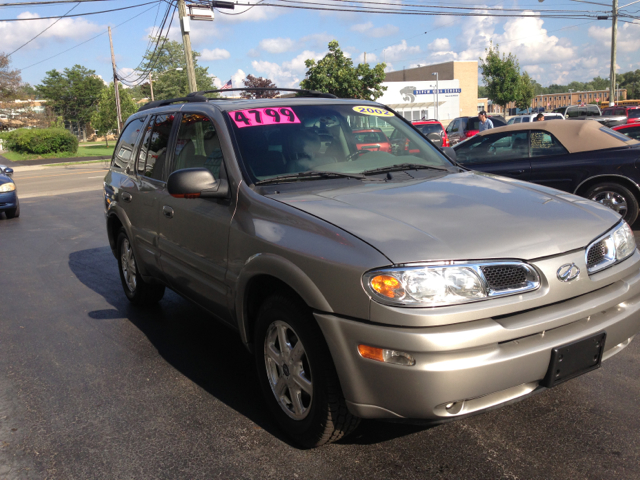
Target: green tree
(526, 92)
(482, 91)
(167, 81)
(501, 75)
(74, 93)
(10, 80)
(104, 119)
(336, 74)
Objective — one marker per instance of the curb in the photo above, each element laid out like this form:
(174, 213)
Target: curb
(49, 161)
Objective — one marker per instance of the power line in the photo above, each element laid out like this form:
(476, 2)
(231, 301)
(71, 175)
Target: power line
(78, 14)
(54, 2)
(82, 43)
(27, 43)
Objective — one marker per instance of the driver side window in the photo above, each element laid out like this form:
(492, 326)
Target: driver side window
(493, 148)
(197, 145)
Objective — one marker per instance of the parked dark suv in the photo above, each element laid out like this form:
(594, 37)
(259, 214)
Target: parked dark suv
(367, 283)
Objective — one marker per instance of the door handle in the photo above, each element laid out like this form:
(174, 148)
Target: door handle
(126, 196)
(167, 211)
(516, 172)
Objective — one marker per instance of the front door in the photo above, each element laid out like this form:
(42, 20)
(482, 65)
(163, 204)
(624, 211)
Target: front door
(505, 153)
(194, 232)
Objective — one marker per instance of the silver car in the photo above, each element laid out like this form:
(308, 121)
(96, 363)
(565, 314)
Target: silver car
(367, 284)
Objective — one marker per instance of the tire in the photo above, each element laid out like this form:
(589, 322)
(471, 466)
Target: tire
(309, 405)
(135, 288)
(13, 213)
(616, 197)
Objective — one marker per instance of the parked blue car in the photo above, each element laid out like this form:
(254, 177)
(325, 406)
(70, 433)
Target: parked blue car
(9, 203)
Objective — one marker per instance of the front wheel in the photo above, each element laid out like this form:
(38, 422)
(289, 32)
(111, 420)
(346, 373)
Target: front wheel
(297, 374)
(135, 288)
(616, 197)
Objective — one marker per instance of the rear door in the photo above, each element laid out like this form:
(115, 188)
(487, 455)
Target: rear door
(505, 153)
(194, 232)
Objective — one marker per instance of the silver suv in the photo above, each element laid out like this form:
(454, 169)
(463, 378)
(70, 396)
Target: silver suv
(368, 284)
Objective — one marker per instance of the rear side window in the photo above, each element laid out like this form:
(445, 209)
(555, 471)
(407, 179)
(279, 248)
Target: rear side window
(517, 120)
(544, 144)
(153, 152)
(456, 126)
(198, 145)
(526, 119)
(123, 152)
(635, 113)
(473, 124)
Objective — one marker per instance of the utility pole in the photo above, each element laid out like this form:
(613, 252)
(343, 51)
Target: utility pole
(614, 34)
(185, 26)
(365, 57)
(151, 86)
(115, 85)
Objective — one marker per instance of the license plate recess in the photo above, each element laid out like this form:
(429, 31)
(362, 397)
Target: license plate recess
(575, 358)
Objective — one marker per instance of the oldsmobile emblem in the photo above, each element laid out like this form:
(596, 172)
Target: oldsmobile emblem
(568, 272)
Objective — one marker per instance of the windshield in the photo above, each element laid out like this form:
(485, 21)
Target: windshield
(283, 140)
(428, 128)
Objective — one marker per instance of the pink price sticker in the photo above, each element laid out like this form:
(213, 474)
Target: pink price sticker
(263, 116)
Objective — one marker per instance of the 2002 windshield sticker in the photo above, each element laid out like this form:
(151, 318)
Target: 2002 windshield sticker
(378, 112)
(263, 116)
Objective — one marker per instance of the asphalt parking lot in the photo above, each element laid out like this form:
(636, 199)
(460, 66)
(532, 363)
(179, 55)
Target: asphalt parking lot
(94, 388)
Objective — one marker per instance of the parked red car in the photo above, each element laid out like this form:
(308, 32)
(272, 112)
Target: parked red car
(372, 139)
(630, 129)
(632, 113)
(434, 131)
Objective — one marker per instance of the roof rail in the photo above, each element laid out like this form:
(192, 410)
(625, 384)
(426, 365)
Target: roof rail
(162, 103)
(305, 93)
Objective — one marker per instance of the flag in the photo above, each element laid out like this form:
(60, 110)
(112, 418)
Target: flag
(227, 85)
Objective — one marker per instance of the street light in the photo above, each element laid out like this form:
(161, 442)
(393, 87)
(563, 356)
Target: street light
(177, 69)
(437, 99)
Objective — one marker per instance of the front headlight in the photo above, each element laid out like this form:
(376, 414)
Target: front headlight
(7, 187)
(450, 284)
(611, 248)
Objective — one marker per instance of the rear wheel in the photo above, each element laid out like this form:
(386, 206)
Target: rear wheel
(297, 374)
(135, 288)
(616, 197)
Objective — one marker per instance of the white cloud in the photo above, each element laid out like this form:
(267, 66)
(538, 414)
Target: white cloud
(14, 34)
(289, 73)
(236, 80)
(439, 45)
(367, 29)
(278, 45)
(399, 52)
(627, 40)
(215, 54)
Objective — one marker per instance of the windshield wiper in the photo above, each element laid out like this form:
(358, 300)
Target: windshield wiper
(301, 175)
(404, 166)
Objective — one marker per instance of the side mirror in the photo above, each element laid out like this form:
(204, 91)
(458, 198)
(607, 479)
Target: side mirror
(196, 183)
(8, 171)
(450, 153)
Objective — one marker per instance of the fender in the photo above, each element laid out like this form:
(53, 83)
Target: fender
(285, 271)
(114, 210)
(607, 175)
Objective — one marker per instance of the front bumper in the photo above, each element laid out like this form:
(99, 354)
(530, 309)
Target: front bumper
(481, 363)
(8, 201)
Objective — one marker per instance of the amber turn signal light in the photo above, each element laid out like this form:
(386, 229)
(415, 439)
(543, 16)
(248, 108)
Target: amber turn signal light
(388, 286)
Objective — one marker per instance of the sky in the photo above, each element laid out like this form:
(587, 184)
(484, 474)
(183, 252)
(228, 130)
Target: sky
(274, 42)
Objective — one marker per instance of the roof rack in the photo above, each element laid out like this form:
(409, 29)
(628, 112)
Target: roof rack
(191, 98)
(305, 93)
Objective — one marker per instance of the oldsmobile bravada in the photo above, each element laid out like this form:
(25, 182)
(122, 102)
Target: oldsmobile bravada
(367, 283)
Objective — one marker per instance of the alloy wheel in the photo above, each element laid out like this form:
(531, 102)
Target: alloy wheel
(128, 262)
(288, 370)
(613, 200)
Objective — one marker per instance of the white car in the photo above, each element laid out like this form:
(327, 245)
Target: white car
(532, 118)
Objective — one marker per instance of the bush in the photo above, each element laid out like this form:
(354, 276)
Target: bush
(40, 140)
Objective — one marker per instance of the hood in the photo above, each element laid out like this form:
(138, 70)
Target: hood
(461, 216)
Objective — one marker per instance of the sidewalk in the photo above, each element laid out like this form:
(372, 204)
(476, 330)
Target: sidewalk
(48, 161)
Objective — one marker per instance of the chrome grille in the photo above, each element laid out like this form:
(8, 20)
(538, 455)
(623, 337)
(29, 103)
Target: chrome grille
(596, 254)
(501, 277)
